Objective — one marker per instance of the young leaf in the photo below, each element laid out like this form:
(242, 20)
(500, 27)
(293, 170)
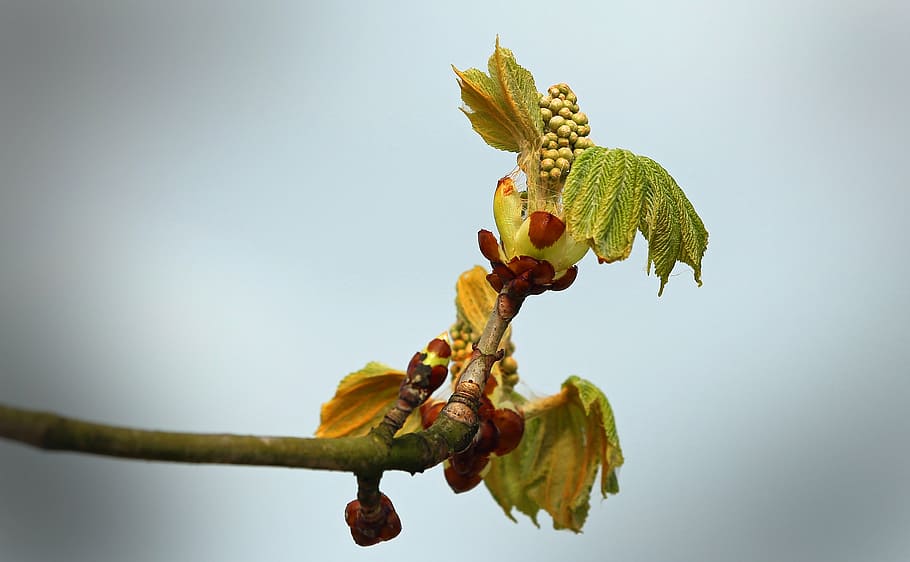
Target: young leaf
(360, 402)
(602, 201)
(474, 298)
(502, 105)
(673, 229)
(567, 437)
(611, 193)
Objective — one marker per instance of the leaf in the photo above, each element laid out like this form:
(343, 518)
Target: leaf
(669, 222)
(602, 201)
(612, 193)
(474, 298)
(502, 105)
(360, 402)
(567, 437)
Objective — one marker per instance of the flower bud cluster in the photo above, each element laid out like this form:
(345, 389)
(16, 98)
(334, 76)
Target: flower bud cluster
(566, 131)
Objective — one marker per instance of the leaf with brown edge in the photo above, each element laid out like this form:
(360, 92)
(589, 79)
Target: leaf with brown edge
(360, 402)
(568, 437)
(502, 105)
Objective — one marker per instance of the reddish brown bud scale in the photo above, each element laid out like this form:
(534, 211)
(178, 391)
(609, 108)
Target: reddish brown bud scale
(369, 532)
(566, 280)
(522, 264)
(510, 426)
(461, 483)
(440, 347)
(495, 281)
(437, 376)
(487, 438)
(429, 411)
(542, 274)
(491, 385)
(415, 363)
(503, 272)
(468, 462)
(544, 229)
(489, 246)
(486, 408)
(522, 287)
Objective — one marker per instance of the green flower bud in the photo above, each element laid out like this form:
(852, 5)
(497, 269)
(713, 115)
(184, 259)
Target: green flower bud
(552, 145)
(584, 142)
(552, 154)
(580, 118)
(573, 138)
(555, 174)
(547, 164)
(578, 151)
(556, 105)
(544, 176)
(571, 97)
(562, 164)
(573, 126)
(565, 112)
(566, 153)
(562, 142)
(546, 114)
(563, 132)
(544, 101)
(555, 123)
(564, 88)
(554, 91)
(584, 130)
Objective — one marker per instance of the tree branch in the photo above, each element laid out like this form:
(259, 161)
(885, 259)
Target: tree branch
(414, 452)
(363, 455)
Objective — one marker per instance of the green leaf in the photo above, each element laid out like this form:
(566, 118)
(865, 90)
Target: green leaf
(669, 222)
(502, 105)
(611, 193)
(361, 401)
(602, 201)
(567, 437)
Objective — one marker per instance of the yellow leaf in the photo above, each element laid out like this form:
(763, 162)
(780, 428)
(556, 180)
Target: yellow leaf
(360, 402)
(474, 298)
(567, 437)
(502, 105)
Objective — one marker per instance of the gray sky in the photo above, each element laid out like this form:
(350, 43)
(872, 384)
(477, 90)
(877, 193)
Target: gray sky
(210, 214)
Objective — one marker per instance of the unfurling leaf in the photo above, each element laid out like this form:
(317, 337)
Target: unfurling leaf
(673, 229)
(360, 402)
(612, 193)
(567, 437)
(502, 105)
(602, 200)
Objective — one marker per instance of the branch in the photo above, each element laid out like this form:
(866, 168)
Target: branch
(413, 452)
(369, 454)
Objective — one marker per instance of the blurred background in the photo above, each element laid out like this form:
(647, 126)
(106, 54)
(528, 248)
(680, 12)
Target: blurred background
(211, 212)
